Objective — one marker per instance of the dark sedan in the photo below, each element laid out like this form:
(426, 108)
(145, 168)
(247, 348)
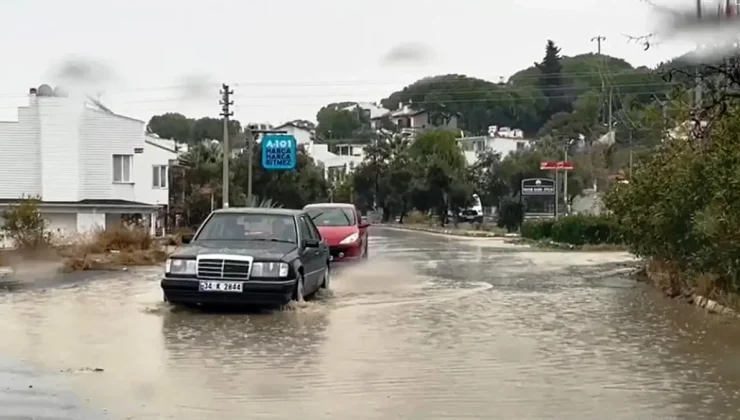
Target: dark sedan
(249, 256)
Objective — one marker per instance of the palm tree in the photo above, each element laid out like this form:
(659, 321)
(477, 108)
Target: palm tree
(258, 202)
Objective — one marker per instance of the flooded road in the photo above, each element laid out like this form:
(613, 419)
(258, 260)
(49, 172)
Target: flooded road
(430, 328)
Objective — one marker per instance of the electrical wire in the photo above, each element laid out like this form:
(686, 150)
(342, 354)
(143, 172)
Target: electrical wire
(347, 83)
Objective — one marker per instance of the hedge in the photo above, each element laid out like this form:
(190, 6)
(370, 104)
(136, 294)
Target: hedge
(575, 230)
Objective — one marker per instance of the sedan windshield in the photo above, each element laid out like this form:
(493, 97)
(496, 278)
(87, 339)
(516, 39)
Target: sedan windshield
(248, 227)
(332, 216)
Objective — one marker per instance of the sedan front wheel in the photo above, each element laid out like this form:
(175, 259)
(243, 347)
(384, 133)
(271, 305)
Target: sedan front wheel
(300, 289)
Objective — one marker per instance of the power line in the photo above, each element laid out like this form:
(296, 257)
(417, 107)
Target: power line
(573, 89)
(336, 83)
(322, 103)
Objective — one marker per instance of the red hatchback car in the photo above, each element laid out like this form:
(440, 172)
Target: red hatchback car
(342, 228)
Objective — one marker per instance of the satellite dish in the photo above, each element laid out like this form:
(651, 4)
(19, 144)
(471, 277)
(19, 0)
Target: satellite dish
(45, 90)
(60, 92)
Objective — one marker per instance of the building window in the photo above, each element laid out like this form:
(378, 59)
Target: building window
(520, 145)
(122, 168)
(159, 176)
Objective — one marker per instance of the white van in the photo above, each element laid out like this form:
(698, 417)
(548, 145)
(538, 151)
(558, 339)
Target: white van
(474, 213)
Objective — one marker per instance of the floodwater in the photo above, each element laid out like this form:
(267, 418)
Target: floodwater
(430, 328)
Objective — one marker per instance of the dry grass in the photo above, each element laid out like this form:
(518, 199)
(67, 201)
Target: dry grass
(417, 218)
(604, 248)
(550, 245)
(111, 249)
(488, 227)
(667, 277)
(673, 282)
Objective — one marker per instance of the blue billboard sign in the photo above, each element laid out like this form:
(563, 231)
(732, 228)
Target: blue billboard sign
(279, 152)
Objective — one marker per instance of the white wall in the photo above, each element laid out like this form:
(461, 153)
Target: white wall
(102, 136)
(505, 146)
(502, 145)
(89, 222)
(302, 136)
(59, 131)
(61, 224)
(20, 155)
(145, 192)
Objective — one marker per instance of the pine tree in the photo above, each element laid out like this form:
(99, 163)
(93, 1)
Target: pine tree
(551, 81)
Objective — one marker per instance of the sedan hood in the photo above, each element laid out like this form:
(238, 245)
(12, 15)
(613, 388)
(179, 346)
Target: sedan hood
(335, 234)
(258, 249)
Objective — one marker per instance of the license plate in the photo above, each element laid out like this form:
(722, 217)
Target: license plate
(221, 286)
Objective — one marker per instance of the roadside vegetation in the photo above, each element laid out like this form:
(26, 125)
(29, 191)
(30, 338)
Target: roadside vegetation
(681, 210)
(586, 232)
(104, 249)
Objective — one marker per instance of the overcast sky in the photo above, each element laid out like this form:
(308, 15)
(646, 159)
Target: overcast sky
(286, 58)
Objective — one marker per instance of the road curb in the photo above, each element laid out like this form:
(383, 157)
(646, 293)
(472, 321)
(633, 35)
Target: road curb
(449, 232)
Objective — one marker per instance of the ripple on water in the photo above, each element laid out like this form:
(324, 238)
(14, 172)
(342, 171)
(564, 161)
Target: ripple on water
(478, 333)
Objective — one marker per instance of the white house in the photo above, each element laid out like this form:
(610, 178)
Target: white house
(412, 121)
(371, 110)
(348, 149)
(332, 162)
(88, 165)
(303, 134)
(503, 140)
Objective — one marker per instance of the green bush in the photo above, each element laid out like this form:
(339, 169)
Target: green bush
(510, 215)
(586, 230)
(681, 205)
(537, 229)
(575, 230)
(24, 225)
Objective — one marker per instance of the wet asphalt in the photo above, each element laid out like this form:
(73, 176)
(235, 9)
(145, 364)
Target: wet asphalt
(431, 327)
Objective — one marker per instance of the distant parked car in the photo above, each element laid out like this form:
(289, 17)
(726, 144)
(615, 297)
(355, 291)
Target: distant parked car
(249, 256)
(473, 214)
(342, 227)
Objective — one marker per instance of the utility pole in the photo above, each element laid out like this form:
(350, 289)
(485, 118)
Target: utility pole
(611, 114)
(698, 93)
(565, 177)
(226, 103)
(598, 40)
(250, 156)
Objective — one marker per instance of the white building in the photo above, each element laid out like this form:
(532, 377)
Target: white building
(502, 140)
(332, 162)
(88, 165)
(411, 121)
(303, 134)
(370, 110)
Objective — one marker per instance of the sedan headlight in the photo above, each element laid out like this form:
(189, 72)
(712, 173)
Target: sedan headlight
(270, 269)
(350, 239)
(179, 266)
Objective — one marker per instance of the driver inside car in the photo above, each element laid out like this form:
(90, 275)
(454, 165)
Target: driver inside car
(283, 229)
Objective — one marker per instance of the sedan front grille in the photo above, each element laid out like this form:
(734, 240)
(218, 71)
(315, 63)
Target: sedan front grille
(223, 269)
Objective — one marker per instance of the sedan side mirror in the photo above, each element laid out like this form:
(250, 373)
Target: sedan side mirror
(311, 243)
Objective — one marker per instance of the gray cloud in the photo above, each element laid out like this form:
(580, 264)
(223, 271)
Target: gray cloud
(408, 53)
(197, 87)
(82, 72)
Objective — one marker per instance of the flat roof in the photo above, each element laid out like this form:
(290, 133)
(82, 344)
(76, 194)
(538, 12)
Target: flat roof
(260, 210)
(336, 205)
